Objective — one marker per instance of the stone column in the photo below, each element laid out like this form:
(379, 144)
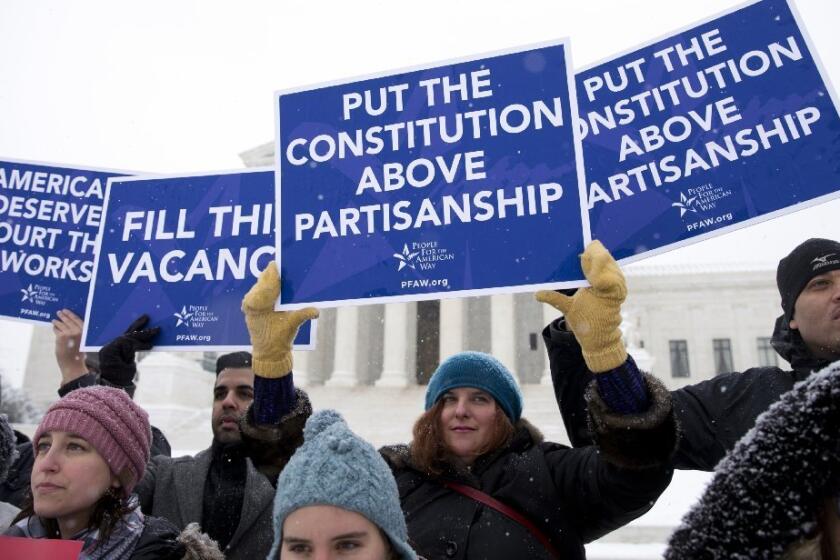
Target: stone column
(529, 350)
(319, 362)
(501, 333)
(395, 371)
(370, 345)
(477, 324)
(299, 367)
(41, 376)
(411, 344)
(346, 328)
(451, 327)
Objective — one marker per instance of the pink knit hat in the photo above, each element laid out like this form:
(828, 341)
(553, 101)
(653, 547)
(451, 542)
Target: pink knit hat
(111, 422)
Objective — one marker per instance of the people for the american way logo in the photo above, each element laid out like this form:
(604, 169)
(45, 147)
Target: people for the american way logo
(183, 317)
(406, 258)
(28, 293)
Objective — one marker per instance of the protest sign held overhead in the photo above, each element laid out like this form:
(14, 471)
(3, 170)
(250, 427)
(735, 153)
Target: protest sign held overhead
(726, 123)
(183, 250)
(456, 179)
(49, 218)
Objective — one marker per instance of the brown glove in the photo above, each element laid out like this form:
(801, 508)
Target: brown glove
(272, 332)
(594, 314)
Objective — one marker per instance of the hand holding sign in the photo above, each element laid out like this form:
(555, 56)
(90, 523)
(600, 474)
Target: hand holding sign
(594, 313)
(68, 334)
(272, 332)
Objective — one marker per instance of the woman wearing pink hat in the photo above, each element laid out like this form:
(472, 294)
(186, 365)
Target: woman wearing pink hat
(91, 448)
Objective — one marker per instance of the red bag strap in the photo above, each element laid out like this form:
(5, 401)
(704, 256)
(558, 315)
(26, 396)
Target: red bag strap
(508, 511)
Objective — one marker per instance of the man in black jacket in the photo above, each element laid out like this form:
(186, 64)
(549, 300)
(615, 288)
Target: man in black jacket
(716, 413)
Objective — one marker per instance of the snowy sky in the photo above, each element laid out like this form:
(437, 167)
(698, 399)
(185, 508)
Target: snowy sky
(186, 86)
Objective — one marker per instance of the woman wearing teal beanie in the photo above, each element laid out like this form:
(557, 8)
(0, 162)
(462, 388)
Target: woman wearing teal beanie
(336, 498)
(479, 482)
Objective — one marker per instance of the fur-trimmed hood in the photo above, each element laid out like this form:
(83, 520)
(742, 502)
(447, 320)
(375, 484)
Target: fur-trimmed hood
(199, 546)
(775, 479)
(270, 447)
(635, 441)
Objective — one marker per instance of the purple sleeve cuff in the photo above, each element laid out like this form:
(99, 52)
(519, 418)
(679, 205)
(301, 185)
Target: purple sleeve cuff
(273, 398)
(623, 388)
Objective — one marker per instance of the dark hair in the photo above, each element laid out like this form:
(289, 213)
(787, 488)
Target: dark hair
(107, 512)
(233, 360)
(428, 450)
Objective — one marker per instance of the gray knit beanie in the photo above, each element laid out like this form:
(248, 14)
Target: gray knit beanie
(335, 467)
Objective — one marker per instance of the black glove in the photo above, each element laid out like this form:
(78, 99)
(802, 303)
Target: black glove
(116, 359)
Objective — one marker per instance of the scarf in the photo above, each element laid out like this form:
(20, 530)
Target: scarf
(120, 545)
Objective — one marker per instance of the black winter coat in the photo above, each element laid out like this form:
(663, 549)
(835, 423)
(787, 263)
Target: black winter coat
(766, 493)
(712, 414)
(572, 495)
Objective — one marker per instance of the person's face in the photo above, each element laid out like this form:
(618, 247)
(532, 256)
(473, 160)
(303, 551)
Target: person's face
(232, 396)
(68, 477)
(816, 314)
(328, 532)
(467, 421)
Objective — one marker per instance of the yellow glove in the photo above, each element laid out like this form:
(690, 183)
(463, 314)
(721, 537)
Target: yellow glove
(594, 314)
(272, 332)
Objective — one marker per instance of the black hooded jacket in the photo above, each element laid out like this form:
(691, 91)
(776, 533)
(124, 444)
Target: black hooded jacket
(712, 414)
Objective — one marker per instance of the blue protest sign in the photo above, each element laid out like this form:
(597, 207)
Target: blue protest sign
(449, 180)
(49, 218)
(184, 250)
(724, 124)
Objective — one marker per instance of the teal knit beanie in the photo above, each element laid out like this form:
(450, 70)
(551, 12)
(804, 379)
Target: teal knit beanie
(481, 371)
(335, 467)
